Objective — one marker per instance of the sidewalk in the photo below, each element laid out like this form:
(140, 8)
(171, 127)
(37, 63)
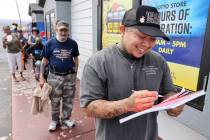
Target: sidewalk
(29, 127)
(5, 96)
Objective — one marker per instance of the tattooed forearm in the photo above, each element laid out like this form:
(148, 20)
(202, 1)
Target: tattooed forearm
(42, 69)
(106, 109)
(76, 61)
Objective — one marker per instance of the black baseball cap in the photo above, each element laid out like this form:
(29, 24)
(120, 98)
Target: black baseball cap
(146, 19)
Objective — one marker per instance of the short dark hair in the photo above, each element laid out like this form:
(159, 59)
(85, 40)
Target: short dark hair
(15, 24)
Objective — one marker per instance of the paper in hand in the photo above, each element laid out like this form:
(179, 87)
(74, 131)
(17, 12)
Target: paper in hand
(172, 102)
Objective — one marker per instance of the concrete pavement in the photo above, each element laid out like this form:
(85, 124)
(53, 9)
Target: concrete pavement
(34, 127)
(5, 96)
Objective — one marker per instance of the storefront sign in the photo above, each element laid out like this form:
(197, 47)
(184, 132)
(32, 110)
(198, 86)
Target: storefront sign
(185, 22)
(113, 11)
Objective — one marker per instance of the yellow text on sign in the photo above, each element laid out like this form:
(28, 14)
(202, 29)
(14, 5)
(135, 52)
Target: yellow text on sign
(180, 44)
(165, 50)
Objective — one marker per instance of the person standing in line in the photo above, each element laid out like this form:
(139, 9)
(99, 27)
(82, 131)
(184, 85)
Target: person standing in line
(31, 43)
(26, 46)
(127, 78)
(14, 27)
(32, 37)
(23, 42)
(13, 46)
(62, 55)
(35, 52)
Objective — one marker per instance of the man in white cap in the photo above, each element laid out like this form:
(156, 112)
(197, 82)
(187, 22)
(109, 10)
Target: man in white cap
(127, 78)
(61, 53)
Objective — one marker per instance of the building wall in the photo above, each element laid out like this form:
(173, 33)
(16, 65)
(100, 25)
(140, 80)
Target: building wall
(82, 29)
(49, 5)
(37, 17)
(63, 10)
(33, 16)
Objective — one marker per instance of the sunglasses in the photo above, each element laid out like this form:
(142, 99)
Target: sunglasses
(63, 30)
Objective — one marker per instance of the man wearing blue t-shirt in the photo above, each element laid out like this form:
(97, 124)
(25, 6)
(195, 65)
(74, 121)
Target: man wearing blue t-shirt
(61, 54)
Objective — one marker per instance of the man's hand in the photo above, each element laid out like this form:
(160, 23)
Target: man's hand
(141, 100)
(175, 111)
(42, 70)
(41, 81)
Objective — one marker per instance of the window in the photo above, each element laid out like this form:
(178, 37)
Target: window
(52, 21)
(49, 23)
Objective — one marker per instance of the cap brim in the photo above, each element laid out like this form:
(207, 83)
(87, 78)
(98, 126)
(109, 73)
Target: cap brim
(63, 27)
(153, 31)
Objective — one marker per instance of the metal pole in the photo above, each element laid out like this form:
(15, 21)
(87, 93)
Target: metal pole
(18, 11)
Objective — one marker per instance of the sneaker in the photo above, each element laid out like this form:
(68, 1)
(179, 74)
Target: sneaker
(53, 126)
(68, 124)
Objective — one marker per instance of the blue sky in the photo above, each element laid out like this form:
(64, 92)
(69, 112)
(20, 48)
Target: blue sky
(8, 9)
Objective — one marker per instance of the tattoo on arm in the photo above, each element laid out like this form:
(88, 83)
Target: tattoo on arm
(76, 61)
(42, 68)
(106, 109)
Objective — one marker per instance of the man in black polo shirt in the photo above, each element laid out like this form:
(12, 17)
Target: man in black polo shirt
(61, 53)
